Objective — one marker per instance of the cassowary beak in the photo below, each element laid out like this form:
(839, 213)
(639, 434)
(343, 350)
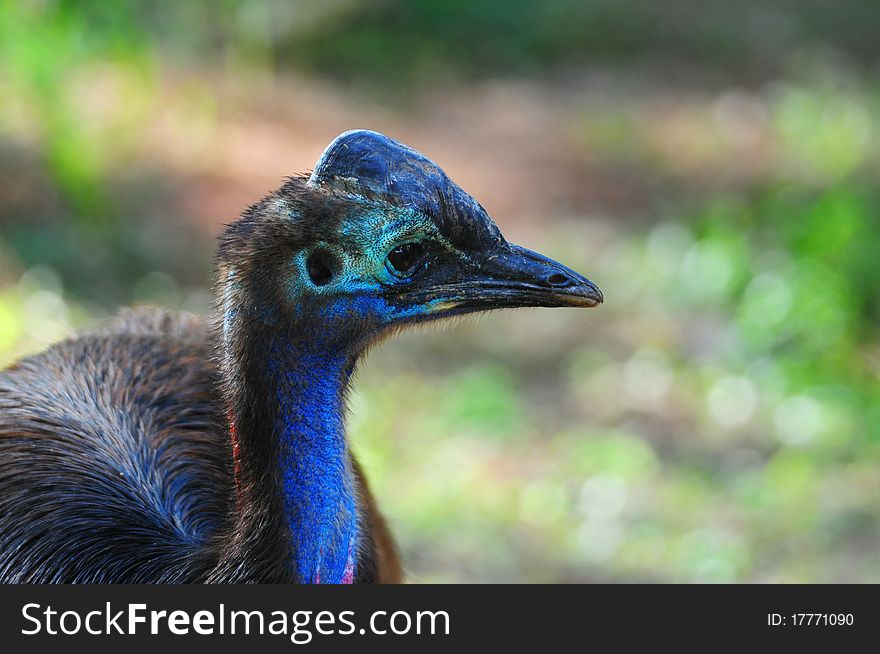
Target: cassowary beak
(517, 277)
(508, 278)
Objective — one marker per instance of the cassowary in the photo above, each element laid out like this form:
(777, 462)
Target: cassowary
(160, 449)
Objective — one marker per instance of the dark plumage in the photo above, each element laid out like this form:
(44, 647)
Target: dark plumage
(163, 449)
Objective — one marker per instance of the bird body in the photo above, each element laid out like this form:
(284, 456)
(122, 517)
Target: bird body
(164, 448)
(125, 429)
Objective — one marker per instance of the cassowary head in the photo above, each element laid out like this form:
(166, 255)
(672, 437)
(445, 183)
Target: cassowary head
(376, 238)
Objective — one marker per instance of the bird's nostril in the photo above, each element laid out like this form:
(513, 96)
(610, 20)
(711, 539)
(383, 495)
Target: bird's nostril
(558, 280)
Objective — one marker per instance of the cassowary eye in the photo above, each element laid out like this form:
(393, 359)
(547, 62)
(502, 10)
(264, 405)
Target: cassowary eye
(405, 259)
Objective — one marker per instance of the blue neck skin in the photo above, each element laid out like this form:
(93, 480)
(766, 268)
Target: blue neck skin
(317, 484)
(302, 381)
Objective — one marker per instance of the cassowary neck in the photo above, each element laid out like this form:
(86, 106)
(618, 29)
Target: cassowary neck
(291, 454)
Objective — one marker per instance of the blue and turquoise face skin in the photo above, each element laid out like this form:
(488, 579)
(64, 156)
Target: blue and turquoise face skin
(363, 291)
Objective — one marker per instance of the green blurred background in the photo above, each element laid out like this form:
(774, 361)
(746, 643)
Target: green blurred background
(713, 166)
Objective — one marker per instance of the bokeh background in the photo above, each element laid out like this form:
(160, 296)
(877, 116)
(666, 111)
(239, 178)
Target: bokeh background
(713, 166)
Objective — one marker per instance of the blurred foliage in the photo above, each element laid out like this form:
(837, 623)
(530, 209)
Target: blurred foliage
(718, 419)
(420, 41)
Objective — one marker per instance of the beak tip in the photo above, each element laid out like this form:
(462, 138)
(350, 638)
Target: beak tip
(588, 295)
(598, 295)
